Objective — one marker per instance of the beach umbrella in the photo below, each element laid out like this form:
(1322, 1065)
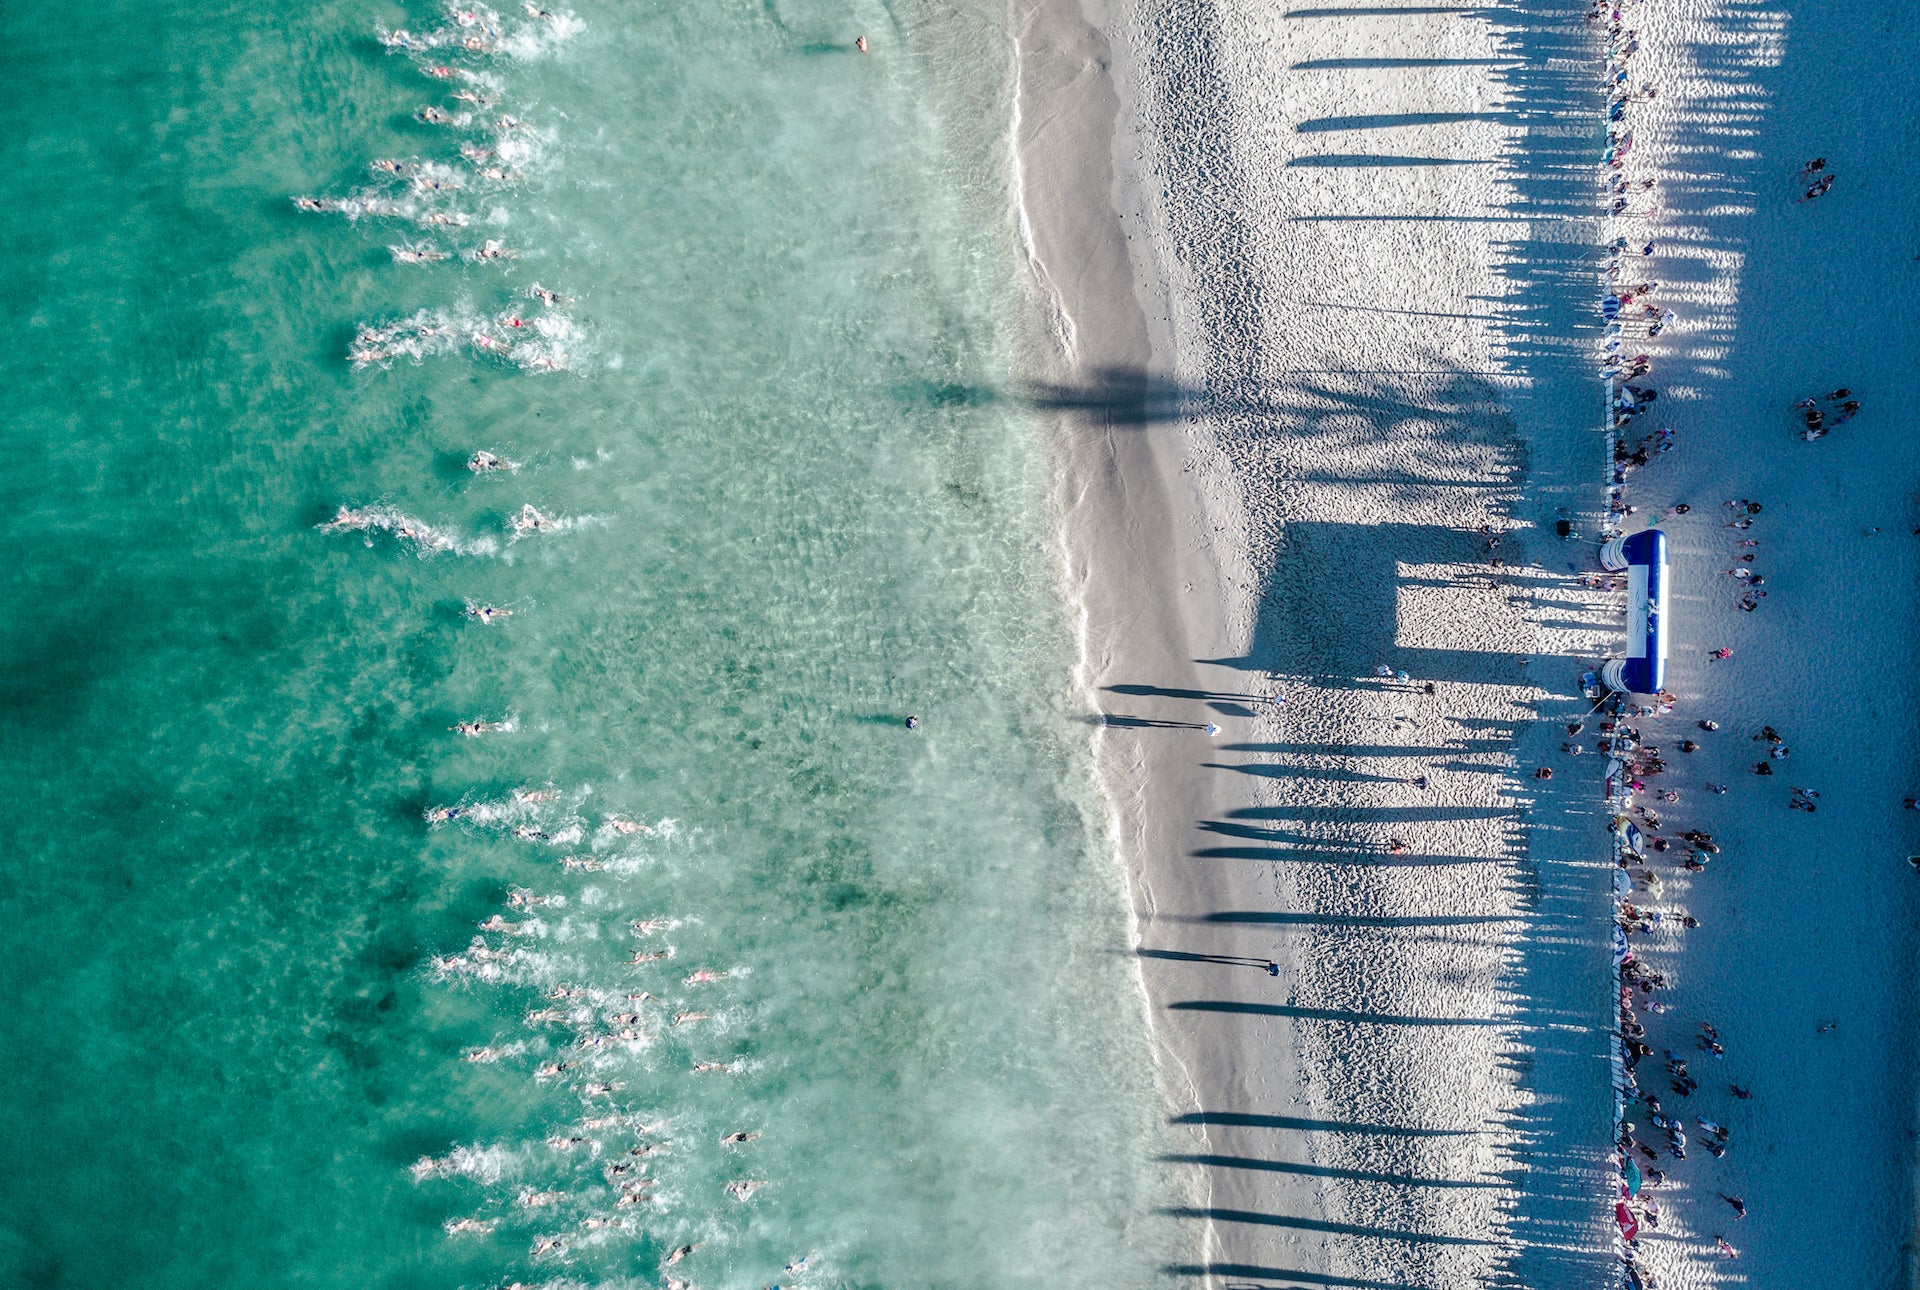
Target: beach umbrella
(1633, 1178)
(1629, 1225)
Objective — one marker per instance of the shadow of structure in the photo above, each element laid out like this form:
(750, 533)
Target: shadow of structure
(1330, 610)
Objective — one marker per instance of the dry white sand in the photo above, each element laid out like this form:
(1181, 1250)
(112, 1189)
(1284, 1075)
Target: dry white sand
(1338, 318)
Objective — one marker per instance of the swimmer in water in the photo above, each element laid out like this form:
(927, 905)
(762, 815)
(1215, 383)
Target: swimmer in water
(442, 814)
(799, 1265)
(620, 825)
(544, 1017)
(445, 219)
(483, 461)
(474, 729)
(492, 249)
(537, 1199)
(682, 1253)
(315, 204)
(551, 1070)
(711, 1068)
(538, 14)
(416, 253)
(487, 613)
(652, 956)
(744, 1188)
(474, 97)
(684, 1018)
(530, 520)
(735, 1139)
(390, 166)
(546, 297)
(583, 864)
(475, 1226)
(703, 976)
(603, 1090)
(548, 1245)
(500, 175)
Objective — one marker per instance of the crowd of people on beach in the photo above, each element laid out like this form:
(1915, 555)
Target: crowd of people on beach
(1638, 770)
(599, 1170)
(1643, 785)
(495, 157)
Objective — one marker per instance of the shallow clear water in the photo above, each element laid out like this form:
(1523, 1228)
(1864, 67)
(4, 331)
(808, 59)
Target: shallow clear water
(788, 511)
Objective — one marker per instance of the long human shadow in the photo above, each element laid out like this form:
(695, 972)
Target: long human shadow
(1212, 1270)
(1261, 1165)
(1392, 120)
(1390, 64)
(1188, 956)
(1130, 397)
(1298, 918)
(1322, 1014)
(1371, 814)
(1304, 854)
(1465, 11)
(1320, 1225)
(1339, 160)
(1119, 722)
(1206, 696)
(1236, 1119)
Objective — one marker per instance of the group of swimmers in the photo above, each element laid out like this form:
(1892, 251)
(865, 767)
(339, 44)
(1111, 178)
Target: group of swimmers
(536, 342)
(602, 1021)
(499, 160)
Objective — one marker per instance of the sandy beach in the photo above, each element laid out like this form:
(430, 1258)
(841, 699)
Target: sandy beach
(1324, 284)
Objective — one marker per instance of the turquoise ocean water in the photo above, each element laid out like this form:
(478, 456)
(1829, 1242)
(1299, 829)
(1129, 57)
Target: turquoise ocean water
(260, 1036)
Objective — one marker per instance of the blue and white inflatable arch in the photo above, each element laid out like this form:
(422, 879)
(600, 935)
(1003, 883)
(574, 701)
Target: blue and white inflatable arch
(1644, 559)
